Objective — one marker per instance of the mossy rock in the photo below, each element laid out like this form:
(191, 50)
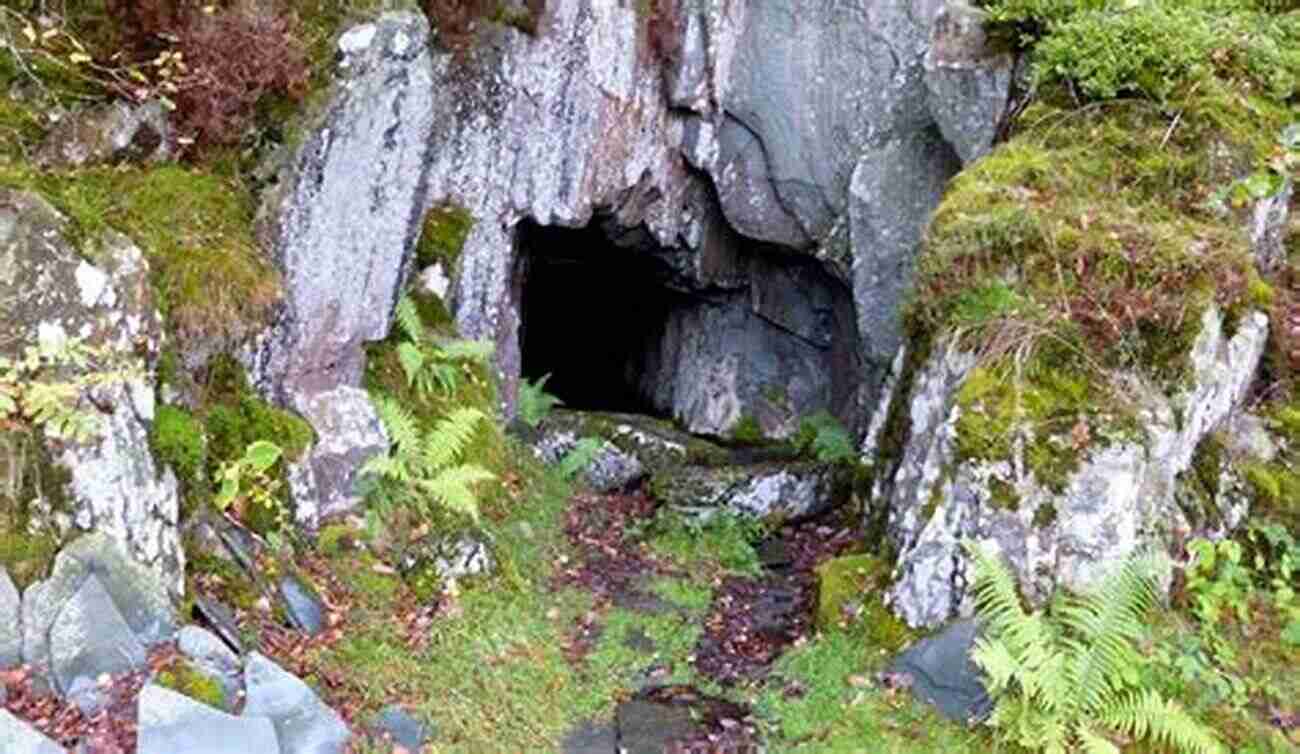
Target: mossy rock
(185, 678)
(177, 439)
(443, 236)
(849, 589)
(33, 488)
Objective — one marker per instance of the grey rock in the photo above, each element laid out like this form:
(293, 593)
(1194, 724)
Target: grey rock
(209, 655)
(302, 605)
(591, 738)
(113, 132)
(610, 469)
(1268, 228)
(91, 575)
(17, 737)
(942, 673)
(11, 632)
(968, 85)
(303, 724)
(172, 723)
(325, 481)
(89, 637)
(452, 557)
(403, 728)
(87, 695)
(1123, 498)
(49, 293)
(777, 490)
(649, 727)
(342, 228)
(221, 619)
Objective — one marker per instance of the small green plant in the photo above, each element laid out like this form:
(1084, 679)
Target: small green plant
(824, 438)
(1067, 678)
(580, 456)
(247, 472)
(426, 468)
(428, 364)
(35, 389)
(535, 403)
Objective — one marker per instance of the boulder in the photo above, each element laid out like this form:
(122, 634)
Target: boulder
(302, 605)
(11, 634)
(968, 84)
(172, 723)
(110, 133)
(17, 737)
(780, 491)
(450, 557)
(609, 469)
(208, 655)
(50, 293)
(341, 227)
(939, 671)
(1122, 497)
(303, 724)
(96, 613)
(90, 638)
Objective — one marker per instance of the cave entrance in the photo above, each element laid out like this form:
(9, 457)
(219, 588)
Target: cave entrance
(591, 311)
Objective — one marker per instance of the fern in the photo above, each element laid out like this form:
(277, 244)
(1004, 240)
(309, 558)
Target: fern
(407, 318)
(1067, 677)
(534, 402)
(581, 456)
(423, 468)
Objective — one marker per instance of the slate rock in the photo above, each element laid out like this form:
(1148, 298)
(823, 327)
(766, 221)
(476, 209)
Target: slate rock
(221, 619)
(591, 738)
(11, 635)
(302, 605)
(943, 674)
(209, 655)
(140, 607)
(303, 724)
(403, 728)
(172, 723)
(648, 727)
(17, 737)
(90, 637)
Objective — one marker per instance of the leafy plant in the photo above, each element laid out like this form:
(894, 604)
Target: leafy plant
(252, 467)
(580, 456)
(425, 468)
(823, 437)
(1066, 678)
(36, 388)
(535, 403)
(428, 364)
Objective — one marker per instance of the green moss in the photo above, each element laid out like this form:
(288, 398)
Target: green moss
(443, 236)
(184, 678)
(195, 227)
(1045, 515)
(236, 417)
(177, 440)
(1003, 495)
(747, 430)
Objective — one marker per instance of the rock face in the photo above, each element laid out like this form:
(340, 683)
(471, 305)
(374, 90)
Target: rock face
(11, 636)
(341, 228)
(711, 134)
(1123, 496)
(50, 293)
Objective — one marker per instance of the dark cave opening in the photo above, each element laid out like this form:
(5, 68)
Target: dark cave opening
(591, 310)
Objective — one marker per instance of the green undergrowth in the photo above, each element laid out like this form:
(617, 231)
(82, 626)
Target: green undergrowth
(230, 417)
(828, 701)
(721, 543)
(1275, 484)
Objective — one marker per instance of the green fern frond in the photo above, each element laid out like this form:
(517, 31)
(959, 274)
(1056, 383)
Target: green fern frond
(453, 488)
(407, 318)
(401, 425)
(444, 443)
(1094, 743)
(412, 358)
(476, 351)
(1148, 715)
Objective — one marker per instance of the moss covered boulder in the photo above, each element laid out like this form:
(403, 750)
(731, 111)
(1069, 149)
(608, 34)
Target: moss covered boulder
(101, 337)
